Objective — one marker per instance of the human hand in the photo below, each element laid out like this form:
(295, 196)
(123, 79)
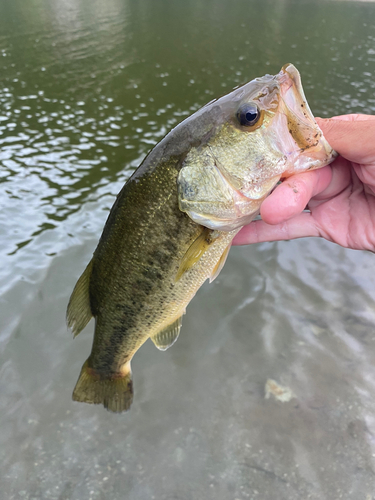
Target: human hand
(340, 196)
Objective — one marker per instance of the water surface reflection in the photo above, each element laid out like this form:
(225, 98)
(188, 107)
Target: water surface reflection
(86, 89)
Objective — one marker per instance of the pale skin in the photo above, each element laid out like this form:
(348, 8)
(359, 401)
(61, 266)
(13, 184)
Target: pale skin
(340, 197)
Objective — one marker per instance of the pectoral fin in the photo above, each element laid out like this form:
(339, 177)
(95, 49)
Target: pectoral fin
(79, 312)
(168, 336)
(220, 264)
(196, 250)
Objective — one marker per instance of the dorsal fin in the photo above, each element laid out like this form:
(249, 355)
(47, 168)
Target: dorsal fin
(168, 336)
(220, 264)
(79, 312)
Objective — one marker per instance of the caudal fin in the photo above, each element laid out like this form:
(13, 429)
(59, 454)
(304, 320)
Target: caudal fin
(114, 392)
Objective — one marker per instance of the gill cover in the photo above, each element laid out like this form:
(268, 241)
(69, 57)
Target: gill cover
(207, 195)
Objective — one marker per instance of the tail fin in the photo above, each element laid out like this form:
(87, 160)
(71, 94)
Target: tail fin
(114, 392)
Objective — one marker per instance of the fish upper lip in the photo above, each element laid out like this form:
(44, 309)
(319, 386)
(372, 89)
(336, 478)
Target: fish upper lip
(293, 96)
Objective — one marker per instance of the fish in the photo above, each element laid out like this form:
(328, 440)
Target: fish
(172, 224)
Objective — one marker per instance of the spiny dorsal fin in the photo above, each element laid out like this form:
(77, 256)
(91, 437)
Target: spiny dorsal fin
(220, 264)
(168, 336)
(79, 312)
(196, 250)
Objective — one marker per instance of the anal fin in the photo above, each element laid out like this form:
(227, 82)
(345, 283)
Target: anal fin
(168, 336)
(79, 312)
(220, 264)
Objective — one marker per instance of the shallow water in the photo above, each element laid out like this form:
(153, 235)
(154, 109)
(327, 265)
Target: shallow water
(86, 89)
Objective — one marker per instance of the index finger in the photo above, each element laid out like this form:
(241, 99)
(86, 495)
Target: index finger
(353, 117)
(352, 136)
(291, 196)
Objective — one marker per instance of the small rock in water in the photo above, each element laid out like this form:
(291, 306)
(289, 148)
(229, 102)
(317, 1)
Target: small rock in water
(280, 392)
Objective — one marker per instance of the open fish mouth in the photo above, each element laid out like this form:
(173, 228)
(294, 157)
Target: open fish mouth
(312, 148)
(293, 96)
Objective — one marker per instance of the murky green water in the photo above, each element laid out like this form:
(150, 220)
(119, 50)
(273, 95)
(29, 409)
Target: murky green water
(86, 89)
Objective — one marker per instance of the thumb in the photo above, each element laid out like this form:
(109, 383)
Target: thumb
(352, 136)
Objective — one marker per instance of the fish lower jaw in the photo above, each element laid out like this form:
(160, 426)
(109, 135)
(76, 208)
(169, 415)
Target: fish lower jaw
(311, 159)
(225, 225)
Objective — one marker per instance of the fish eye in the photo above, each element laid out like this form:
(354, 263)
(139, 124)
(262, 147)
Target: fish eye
(248, 114)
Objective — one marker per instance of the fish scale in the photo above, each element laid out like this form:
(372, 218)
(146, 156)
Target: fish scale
(172, 224)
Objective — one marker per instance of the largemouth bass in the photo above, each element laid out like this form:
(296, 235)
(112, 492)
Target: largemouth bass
(173, 222)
